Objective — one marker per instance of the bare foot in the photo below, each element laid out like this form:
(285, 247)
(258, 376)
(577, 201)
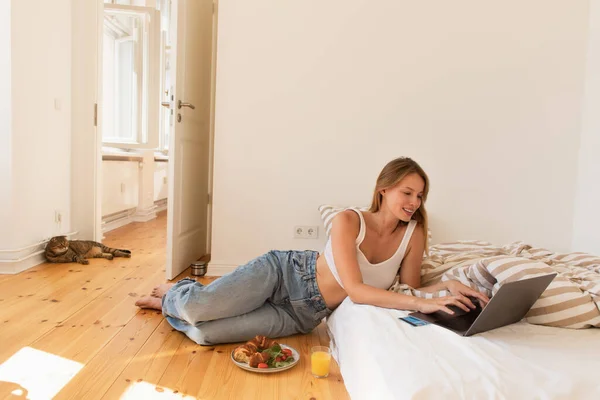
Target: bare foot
(160, 290)
(149, 302)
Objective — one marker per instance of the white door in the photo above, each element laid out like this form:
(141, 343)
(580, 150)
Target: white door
(187, 223)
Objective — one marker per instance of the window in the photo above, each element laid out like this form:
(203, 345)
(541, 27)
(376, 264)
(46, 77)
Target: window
(131, 77)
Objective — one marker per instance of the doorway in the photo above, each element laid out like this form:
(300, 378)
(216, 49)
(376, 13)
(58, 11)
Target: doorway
(155, 117)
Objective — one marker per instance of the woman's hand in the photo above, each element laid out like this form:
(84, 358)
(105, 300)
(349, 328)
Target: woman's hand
(427, 306)
(463, 292)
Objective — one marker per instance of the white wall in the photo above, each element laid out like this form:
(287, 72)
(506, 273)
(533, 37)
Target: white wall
(41, 82)
(485, 95)
(586, 236)
(5, 121)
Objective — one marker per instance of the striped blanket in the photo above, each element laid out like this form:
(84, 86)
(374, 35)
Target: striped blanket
(572, 300)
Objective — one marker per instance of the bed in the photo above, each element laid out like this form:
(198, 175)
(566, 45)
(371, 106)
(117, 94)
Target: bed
(545, 356)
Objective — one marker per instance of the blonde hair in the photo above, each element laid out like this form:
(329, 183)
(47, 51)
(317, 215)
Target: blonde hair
(390, 175)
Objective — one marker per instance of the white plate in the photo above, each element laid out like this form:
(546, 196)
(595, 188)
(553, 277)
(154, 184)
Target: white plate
(245, 366)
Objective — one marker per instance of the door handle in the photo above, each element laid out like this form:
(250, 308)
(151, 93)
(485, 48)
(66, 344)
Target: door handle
(182, 104)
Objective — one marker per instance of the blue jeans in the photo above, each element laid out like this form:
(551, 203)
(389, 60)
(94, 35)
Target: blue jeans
(273, 295)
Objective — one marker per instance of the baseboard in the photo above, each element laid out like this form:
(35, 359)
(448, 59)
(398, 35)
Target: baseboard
(161, 205)
(115, 221)
(144, 215)
(215, 269)
(20, 266)
(13, 261)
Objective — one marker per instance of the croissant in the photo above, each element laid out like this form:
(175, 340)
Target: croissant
(252, 347)
(261, 342)
(243, 352)
(258, 358)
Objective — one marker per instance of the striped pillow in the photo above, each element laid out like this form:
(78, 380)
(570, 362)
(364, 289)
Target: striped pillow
(328, 211)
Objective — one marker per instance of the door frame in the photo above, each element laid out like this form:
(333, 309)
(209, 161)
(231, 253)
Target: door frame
(86, 137)
(86, 172)
(211, 139)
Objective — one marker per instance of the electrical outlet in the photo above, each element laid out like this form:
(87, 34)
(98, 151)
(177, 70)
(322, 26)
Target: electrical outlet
(57, 217)
(306, 232)
(164, 180)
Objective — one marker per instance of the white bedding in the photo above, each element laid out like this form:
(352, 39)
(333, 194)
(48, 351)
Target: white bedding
(381, 357)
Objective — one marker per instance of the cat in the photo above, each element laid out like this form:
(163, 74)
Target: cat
(60, 250)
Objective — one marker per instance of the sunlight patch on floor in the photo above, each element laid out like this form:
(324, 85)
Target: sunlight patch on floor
(42, 375)
(148, 391)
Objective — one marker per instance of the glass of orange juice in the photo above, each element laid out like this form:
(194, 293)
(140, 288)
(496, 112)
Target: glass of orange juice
(320, 359)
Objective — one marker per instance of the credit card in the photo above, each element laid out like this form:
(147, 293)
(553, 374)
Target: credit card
(414, 321)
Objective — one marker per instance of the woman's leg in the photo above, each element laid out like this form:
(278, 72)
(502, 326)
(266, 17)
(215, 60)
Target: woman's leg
(263, 287)
(268, 320)
(244, 290)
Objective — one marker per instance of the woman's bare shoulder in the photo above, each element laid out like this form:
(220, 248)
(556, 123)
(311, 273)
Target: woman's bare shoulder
(418, 229)
(346, 220)
(417, 239)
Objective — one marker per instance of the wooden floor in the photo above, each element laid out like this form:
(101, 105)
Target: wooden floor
(71, 331)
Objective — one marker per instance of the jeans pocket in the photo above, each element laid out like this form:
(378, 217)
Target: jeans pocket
(299, 263)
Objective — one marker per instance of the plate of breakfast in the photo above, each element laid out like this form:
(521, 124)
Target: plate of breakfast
(265, 356)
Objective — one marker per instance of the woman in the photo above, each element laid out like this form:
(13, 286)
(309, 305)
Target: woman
(287, 292)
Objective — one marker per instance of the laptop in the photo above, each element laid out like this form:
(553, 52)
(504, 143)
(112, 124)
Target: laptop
(509, 305)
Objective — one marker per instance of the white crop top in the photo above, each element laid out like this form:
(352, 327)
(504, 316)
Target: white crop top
(380, 275)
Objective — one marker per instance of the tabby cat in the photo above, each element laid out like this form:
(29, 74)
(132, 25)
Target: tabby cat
(61, 250)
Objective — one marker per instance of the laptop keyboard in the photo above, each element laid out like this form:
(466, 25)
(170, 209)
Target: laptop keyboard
(461, 320)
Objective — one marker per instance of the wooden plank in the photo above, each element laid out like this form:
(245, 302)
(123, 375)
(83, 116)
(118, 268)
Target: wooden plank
(80, 336)
(29, 320)
(150, 363)
(101, 372)
(50, 279)
(188, 368)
